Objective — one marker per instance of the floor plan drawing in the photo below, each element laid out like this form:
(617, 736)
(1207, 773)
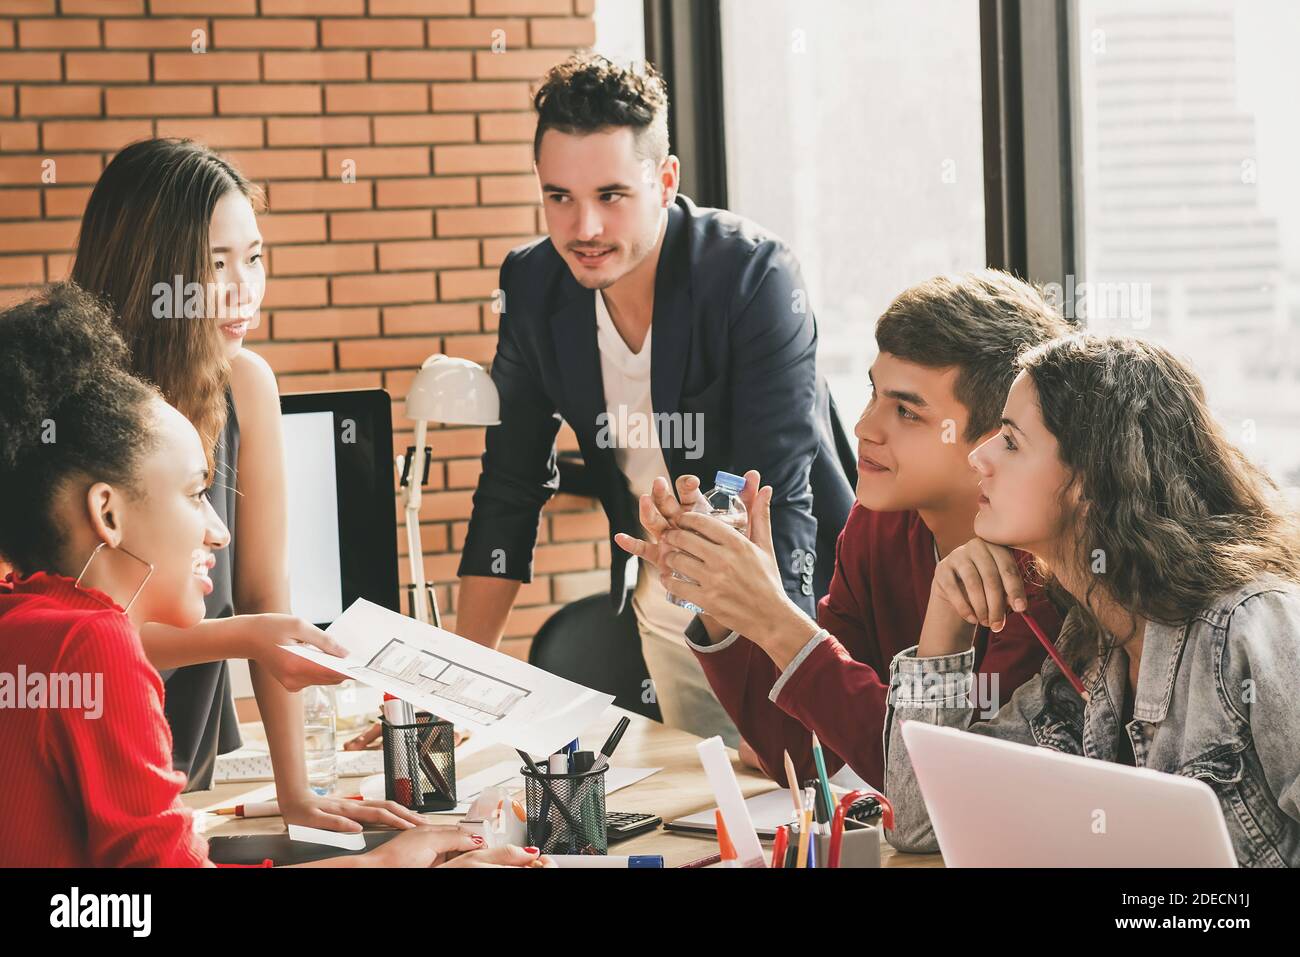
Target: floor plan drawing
(481, 696)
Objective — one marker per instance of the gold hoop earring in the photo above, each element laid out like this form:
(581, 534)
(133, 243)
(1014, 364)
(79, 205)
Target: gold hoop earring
(98, 548)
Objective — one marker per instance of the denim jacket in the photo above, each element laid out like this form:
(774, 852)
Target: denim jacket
(1216, 700)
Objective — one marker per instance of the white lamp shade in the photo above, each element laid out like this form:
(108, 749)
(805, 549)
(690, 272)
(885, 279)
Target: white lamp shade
(453, 391)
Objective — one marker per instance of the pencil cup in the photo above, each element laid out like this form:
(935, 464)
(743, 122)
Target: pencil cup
(859, 847)
(583, 795)
(420, 764)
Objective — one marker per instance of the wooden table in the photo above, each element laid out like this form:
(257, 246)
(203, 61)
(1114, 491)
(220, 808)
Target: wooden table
(679, 789)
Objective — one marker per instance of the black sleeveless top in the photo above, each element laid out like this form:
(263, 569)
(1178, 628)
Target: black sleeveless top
(199, 706)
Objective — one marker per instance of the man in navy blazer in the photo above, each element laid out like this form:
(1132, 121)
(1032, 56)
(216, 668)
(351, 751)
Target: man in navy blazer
(674, 340)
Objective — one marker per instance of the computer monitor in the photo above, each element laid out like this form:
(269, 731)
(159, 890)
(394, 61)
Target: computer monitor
(342, 524)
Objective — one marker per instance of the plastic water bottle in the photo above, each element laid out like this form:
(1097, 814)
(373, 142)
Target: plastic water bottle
(723, 503)
(319, 721)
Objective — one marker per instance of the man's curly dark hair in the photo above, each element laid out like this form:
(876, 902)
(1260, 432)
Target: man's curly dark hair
(587, 93)
(69, 410)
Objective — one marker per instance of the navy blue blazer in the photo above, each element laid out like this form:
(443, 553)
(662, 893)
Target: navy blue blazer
(734, 341)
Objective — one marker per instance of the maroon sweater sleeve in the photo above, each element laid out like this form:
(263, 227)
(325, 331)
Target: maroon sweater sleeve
(742, 675)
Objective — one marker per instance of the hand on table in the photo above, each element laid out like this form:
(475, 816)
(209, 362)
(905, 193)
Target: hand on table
(344, 814)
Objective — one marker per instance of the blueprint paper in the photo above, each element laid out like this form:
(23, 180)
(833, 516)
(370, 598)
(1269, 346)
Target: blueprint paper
(475, 687)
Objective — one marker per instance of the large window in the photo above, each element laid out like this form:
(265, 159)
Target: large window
(853, 131)
(1188, 202)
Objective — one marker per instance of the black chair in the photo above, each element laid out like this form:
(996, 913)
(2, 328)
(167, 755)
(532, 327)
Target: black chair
(586, 642)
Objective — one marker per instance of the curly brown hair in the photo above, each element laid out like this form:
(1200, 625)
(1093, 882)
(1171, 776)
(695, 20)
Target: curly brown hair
(1177, 511)
(588, 93)
(68, 409)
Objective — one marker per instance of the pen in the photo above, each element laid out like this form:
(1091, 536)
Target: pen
(702, 861)
(820, 760)
(1055, 655)
(265, 808)
(793, 781)
(547, 792)
(607, 749)
(779, 845)
(805, 828)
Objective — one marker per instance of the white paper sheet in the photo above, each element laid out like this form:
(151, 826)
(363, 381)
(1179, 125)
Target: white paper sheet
(494, 695)
(349, 841)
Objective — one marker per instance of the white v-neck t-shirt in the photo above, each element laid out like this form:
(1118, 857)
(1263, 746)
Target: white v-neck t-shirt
(639, 456)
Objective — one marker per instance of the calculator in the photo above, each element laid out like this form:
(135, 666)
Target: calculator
(620, 825)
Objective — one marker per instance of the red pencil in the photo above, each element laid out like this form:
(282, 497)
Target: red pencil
(1051, 650)
(779, 846)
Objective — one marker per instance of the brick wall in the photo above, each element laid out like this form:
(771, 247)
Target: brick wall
(428, 98)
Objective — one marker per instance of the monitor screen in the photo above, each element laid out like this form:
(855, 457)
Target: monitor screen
(342, 524)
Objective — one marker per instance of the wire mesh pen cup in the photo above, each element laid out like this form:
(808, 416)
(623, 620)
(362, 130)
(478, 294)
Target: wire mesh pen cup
(583, 795)
(420, 764)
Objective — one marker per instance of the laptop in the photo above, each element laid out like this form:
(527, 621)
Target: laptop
(998, 804)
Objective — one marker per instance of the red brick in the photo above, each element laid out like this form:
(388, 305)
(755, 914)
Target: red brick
(223, 8)
(498, 190)
(515, 64)
(577, 556)
(318, 131)
(66, 201)
(480, 97)
(103, 8)
(320, 194)
(20, 204)
(108, 67)
(494, 250)
(58, 266)
(507, 127)
(440, 506)
(380, 161)
(575, 526)
(407, 320)
(21, 270)
(345, 65)
(376, 98)
(457, 128)
(382, 288)
(569, 32)
(427, 254)
(28, 170)
(298, 356)
(493, 221)
(217, 133)
(263, 33)
(464, 473)
(95, 134)
(372, 33)
(421, 65)
(457, 284)
(509, 158)
(26, 67)
(60, 34)
(215, 66)
(292, 227)
(158, 100)
(387, 354)
(480, 348)
(276, 8)
(434, 8)
(326, 323)
(262, 99)
(18, 137)
(403, 224)
(276, 164)
(433, 191)
(478, 33)
(39, 236)
(290, 293)
(487, 8)
(326, 259)
(151, 33)
(7, 101)
(27, 7)
(330, 382)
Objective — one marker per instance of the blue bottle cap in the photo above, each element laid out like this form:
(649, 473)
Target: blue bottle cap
(732, 483)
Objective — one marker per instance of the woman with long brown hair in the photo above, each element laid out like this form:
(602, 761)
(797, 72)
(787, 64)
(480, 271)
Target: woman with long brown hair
(169, 240)
(1179, 562)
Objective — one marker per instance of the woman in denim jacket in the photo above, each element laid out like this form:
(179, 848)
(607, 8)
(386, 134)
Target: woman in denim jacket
(1178, 561)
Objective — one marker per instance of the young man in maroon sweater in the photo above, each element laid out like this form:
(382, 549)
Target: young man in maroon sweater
(939, 382)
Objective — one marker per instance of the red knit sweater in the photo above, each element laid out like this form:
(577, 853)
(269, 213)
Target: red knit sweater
(91, 785)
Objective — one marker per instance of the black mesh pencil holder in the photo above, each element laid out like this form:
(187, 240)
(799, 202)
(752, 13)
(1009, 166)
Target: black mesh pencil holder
(582, 793)
(420, 764)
